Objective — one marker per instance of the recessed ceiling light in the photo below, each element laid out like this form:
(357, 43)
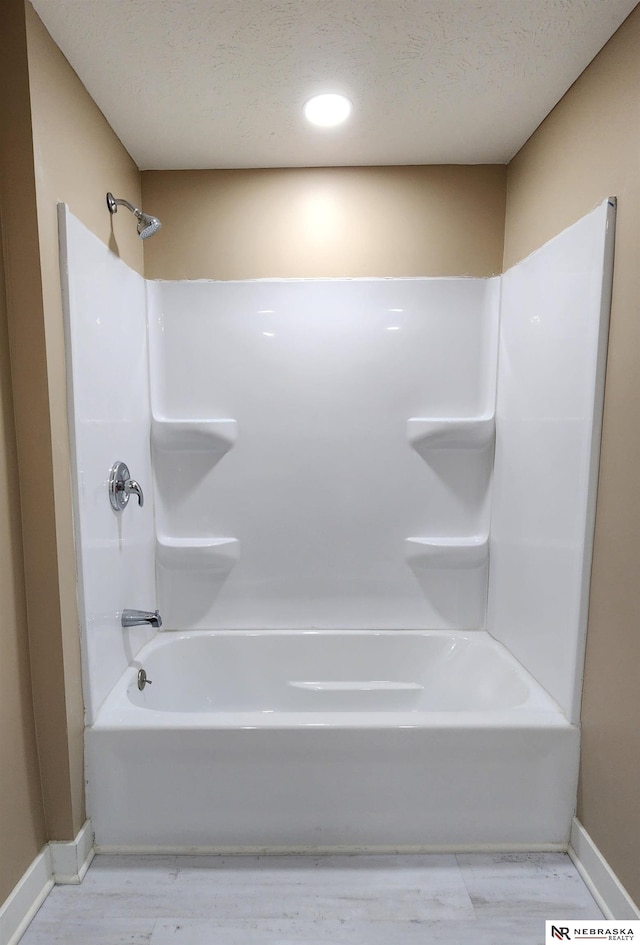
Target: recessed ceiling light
(327, 110)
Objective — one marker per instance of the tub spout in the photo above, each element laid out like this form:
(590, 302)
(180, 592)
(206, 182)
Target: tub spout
(132, 618)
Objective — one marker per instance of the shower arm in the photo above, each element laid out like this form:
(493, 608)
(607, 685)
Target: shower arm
(114, 202)
(147, 224)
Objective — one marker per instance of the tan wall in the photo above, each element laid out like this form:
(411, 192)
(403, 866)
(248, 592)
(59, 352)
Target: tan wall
(355, 221)
(587, 149)
(21, 810)
(22, 816)
(77, 159)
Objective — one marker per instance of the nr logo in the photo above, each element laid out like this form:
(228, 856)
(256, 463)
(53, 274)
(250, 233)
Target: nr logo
(561, 932)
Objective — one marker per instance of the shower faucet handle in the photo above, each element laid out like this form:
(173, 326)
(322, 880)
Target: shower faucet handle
(121, 486)
(131, 487)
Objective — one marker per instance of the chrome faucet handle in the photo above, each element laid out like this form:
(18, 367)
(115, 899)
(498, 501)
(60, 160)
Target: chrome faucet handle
(121, 486)
(131, 487)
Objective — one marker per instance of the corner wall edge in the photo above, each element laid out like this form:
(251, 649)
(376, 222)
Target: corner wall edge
(70, 861)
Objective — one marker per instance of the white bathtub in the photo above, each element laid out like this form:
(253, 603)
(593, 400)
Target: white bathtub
(330, 741)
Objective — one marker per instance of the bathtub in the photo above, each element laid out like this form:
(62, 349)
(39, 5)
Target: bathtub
(330, 741)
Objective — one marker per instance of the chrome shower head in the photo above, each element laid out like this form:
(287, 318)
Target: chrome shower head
(147, 225)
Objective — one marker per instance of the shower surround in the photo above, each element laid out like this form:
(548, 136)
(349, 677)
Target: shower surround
(320, 484)
(304, 477)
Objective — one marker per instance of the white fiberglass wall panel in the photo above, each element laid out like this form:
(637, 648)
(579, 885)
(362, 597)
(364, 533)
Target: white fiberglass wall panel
(105, 312)
(300, 481)
(552, 359)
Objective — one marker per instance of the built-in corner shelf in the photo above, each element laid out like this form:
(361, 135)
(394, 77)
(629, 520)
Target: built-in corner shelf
(454, 553)
(197, 554)
(451, 433)
(215, 435)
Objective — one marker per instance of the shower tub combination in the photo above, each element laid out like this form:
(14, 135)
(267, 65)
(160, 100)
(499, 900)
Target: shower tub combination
(327, 740)
(333, 504)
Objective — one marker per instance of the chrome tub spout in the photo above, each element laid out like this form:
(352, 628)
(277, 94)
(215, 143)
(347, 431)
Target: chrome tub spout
(134, 618)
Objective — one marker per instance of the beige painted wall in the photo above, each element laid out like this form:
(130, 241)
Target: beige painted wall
(587, 149)
(77, 159)
(353, 221)
(22, 814)
(22, 825)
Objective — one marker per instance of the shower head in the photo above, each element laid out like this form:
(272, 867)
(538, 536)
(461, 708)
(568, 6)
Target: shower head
(147, 225)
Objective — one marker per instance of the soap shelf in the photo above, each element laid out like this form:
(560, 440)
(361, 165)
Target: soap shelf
(455, 553)
(214, 435)
(197, 554)
(451, 433)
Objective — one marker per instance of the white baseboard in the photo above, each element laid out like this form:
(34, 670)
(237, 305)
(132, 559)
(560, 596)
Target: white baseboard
(70, 861)
(604, 885)
(28, 895)
(56, 863)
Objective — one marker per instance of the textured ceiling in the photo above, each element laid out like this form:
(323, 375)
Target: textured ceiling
(221, 83)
